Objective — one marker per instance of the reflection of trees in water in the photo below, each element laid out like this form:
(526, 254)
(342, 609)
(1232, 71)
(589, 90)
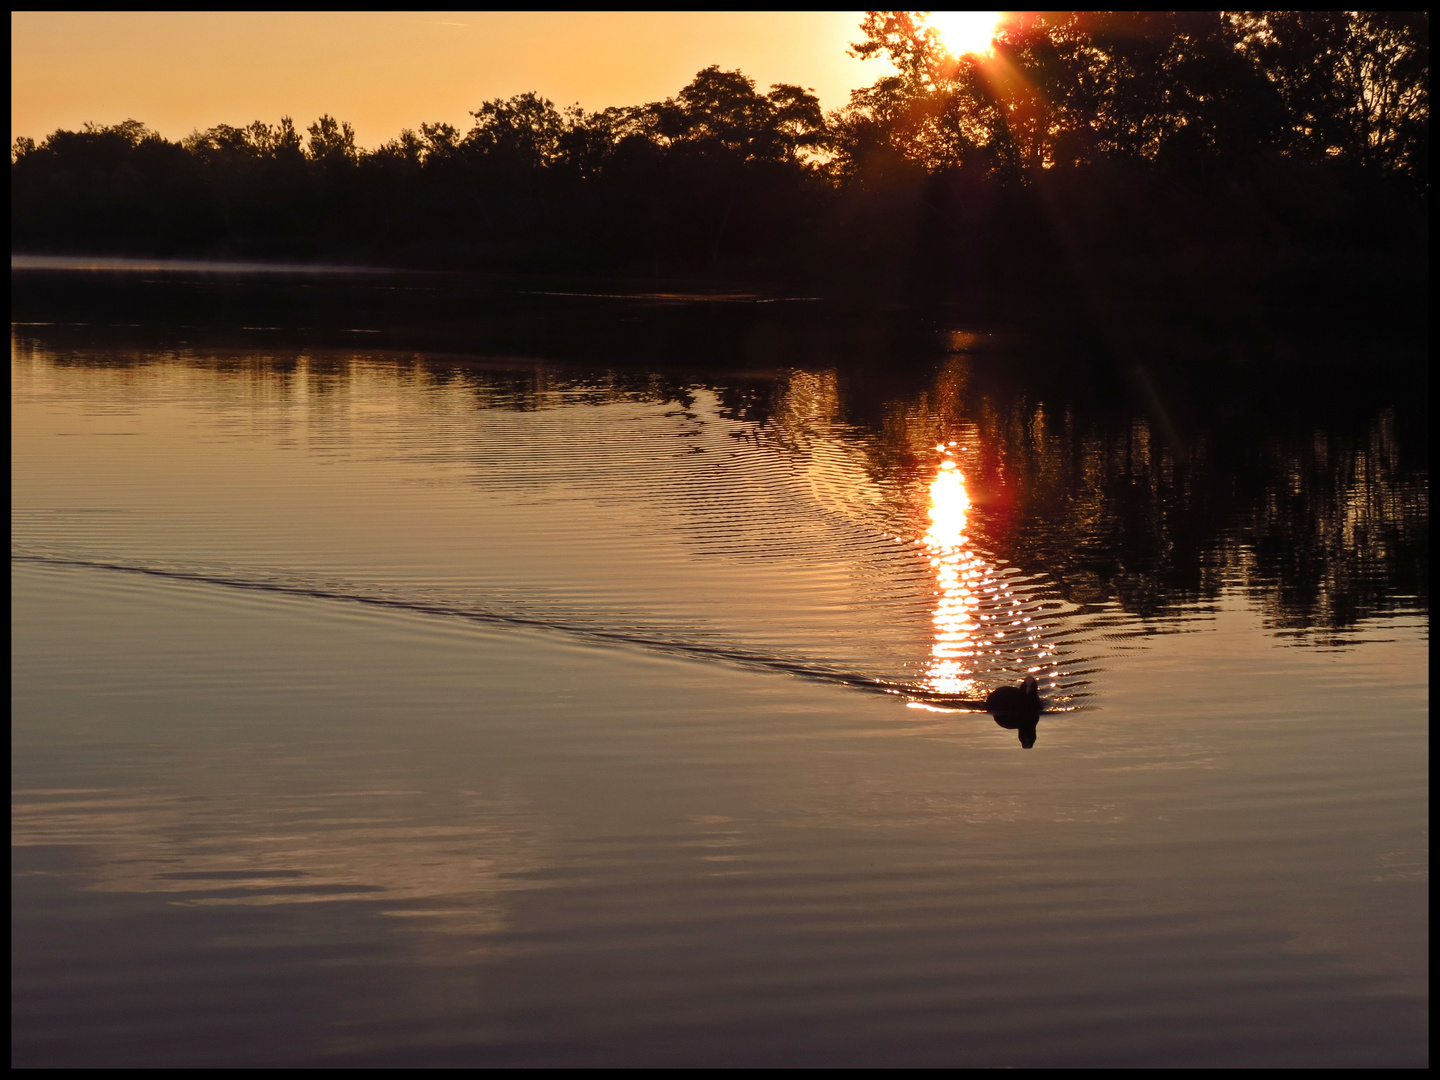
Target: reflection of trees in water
(329, 375)
(1323, 528)
(1341, 530)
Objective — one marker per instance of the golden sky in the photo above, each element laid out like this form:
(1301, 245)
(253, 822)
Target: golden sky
(383, 71)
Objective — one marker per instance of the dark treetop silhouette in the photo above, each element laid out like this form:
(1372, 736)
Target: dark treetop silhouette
(1186, 160)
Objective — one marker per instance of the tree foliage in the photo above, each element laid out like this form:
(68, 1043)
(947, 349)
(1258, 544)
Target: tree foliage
(1066, 88)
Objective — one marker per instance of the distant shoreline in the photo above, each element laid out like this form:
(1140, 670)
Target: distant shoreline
(187, 266)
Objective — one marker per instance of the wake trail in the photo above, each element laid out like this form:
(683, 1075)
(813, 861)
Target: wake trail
(674, 646)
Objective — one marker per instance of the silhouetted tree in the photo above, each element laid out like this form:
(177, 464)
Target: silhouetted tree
(332, 141)
(1356, 84)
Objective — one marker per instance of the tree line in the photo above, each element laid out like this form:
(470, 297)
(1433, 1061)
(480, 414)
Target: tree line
(1087, 149)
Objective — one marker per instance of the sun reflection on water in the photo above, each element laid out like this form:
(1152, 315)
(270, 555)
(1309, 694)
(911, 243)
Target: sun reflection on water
(956, 611)
(980, 626)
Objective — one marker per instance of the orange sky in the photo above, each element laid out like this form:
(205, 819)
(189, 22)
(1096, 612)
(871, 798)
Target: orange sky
(384, 71)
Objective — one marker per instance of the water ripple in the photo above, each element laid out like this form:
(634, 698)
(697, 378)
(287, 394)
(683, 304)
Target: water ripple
(637, 512)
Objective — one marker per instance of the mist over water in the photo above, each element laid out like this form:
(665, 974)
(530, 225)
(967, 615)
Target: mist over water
(487, 677)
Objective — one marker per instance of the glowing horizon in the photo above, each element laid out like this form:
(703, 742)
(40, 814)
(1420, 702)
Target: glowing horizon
(178, 72)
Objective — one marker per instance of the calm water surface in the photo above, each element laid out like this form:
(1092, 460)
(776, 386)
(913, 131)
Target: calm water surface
(382, 708)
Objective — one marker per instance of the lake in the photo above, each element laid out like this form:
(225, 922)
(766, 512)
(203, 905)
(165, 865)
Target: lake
(522, 700)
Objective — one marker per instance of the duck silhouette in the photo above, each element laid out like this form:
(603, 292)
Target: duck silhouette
(1016, 708)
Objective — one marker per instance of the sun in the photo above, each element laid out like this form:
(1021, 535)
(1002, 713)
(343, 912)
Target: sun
(966, 31)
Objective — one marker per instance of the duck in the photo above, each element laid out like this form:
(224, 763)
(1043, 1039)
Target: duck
(1016, 708)
(1022, 700)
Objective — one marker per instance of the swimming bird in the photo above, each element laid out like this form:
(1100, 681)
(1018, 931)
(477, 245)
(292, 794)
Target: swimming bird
(1016, 708)
(1022, 700)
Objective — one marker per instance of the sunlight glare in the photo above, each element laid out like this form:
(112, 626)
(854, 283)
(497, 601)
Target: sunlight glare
(952, 656)
(966, 31)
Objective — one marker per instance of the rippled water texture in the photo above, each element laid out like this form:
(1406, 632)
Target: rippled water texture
(602, 506)
(375, 707)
